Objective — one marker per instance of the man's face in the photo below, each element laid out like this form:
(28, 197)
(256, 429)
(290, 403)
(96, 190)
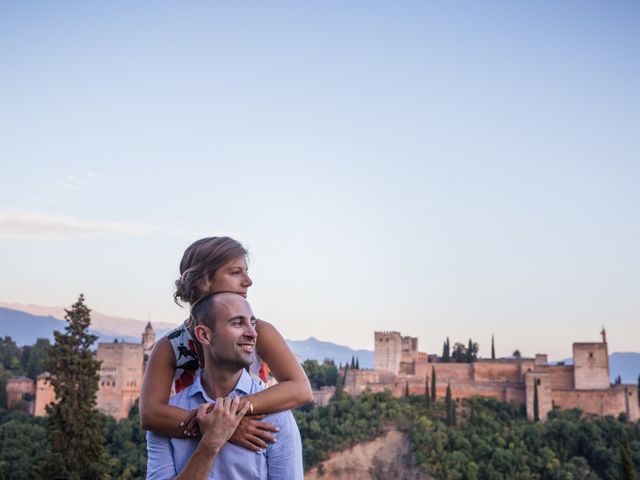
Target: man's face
(234, 334)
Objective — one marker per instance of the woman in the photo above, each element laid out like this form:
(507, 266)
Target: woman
(209, 265)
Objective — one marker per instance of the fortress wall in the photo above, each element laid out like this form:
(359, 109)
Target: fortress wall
(621, 399)
(561, 376)
(492, 371)
(470, 389)
(591, 366)
(516, 394)
(422, 369)
(454, 372)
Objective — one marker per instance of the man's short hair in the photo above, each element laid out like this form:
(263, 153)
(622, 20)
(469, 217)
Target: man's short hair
(203, 312)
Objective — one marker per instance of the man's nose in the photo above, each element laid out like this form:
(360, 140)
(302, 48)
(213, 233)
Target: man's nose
(250, 331)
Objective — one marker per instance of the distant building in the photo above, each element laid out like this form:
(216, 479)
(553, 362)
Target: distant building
(119, 386)
(584, 385)
(44, 394)
(20, 389)
(120, 377)
(148, 339)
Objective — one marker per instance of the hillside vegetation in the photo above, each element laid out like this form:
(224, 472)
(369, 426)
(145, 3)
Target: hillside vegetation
(489, 440)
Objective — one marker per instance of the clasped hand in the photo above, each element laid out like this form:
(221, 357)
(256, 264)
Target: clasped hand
(248, 432)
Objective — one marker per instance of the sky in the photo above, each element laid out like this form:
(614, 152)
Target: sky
(440, 169)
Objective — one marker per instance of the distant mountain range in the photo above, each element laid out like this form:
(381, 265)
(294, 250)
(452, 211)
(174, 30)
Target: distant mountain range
(26, 323)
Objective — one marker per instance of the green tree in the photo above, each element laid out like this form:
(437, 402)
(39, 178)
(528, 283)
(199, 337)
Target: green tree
(459, 353)
(23, 446)
(427, 396)
(516, 354)
(433, 384)
(446, 351)
(448, 401)
(320, 375)
(9, 354)
(75, 427)
(493, 348)
(536, 405)
(34, 357)
(627, 470)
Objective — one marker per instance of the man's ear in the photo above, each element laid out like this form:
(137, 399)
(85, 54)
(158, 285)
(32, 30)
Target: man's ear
(203, 334)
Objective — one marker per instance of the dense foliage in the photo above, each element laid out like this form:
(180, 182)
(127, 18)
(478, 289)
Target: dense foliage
(489, 439)
(495, 441)
(346, 422)
(16, 361)
(320, 375)
(24, 446)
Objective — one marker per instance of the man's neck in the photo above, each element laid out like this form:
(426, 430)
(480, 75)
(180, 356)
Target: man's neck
(219, 380)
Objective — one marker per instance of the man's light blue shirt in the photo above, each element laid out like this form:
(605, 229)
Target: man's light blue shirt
(281, 460)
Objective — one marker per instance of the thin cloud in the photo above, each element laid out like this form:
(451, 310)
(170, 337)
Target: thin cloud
(38, 225)
(67, 187)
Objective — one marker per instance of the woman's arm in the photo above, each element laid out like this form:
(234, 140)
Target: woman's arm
(155, 412)
(293, 388)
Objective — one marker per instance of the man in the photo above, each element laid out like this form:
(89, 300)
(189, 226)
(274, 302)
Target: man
(225, 326)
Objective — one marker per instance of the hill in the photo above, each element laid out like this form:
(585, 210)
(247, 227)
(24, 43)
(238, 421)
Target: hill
(108, 325)
(25, 328)
(315, 349)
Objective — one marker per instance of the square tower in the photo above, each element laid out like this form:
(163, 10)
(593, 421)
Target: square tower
(591, 366)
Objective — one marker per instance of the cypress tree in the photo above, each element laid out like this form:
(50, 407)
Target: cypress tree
(454, 408)
(339, 391)
(446, 351)
(627, 470)
(470, 352)
(449, 406)
(357, 363)
(536, 406)
(638, 389)
(433, 384)
(493, 348)
(406, 389)
(75, 428)
(427, 396)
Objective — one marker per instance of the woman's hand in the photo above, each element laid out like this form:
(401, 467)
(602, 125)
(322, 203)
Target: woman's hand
(190, 424)
(253, 434)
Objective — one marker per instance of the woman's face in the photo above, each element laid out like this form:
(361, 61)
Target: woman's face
(232, 277)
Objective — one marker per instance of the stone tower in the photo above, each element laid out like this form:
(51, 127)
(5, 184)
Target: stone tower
(120, 377)
(148, 338)
(387, 351)
(591, 366)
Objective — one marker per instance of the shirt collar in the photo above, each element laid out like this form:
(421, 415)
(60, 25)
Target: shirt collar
(243, 386)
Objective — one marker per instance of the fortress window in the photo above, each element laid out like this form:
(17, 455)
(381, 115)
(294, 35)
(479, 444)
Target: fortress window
(590, 354)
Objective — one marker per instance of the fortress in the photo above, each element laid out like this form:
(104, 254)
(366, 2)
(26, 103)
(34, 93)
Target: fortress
(399, 367)
(121, 370)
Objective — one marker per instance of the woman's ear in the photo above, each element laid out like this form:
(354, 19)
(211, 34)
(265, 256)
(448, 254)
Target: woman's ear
(203, 334)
